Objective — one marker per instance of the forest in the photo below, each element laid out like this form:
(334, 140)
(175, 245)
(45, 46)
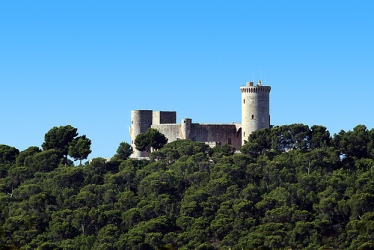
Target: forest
(288, 187)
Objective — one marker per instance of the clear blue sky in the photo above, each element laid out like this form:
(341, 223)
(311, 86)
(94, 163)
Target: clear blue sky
(89, 63)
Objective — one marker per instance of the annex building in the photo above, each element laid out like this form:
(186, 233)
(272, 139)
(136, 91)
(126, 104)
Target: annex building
(255, 115)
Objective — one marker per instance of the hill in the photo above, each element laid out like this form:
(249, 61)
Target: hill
(290, 187)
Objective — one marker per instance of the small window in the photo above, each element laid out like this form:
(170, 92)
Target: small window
(132, 122)
(244, 133)
(243, 101)
(229, 141)
(253, 117)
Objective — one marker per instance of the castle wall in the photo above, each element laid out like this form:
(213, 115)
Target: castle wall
(209, 133)
(216, 133)
(171, 131)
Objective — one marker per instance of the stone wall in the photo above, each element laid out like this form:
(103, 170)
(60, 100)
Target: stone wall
(209, 133)
(220, 133)
(165, 123)
(171, 131)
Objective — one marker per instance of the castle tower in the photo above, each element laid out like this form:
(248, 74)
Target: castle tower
(141, 120)
(186, 128)
(255, 108)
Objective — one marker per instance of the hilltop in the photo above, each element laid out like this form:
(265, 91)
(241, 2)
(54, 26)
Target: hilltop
(292, 186)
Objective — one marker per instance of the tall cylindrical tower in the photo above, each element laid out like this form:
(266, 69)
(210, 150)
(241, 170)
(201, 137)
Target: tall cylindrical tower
(141, 120)
(255, 108)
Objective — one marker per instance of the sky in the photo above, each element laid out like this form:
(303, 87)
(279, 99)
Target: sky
(88, 63)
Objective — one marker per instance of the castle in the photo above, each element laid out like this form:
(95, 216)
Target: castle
(255, 115)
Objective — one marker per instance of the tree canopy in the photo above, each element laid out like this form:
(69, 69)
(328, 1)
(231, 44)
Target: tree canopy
(123, 152)
(80, 148)
(291, 187)
(151, 139)
(60, 138)
(65, 139)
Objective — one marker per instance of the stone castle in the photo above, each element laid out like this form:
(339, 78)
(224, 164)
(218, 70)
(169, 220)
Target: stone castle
(255, 115)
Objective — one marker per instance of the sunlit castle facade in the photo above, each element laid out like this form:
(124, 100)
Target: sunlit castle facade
(255, 115)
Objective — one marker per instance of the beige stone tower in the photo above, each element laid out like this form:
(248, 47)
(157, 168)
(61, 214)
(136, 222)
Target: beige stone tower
(141, 120)
(255, 108)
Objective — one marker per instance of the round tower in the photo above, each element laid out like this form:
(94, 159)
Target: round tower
(255, 108)
(186, 128)
(141, 120)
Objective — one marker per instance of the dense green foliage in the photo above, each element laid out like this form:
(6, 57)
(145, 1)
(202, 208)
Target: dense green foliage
(151, 139)
(65, 141)
(292, 187)
(123, 152)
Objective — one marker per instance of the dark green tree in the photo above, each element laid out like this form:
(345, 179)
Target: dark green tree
(319, 137)
(142, 143)
(8, 157)
(123, 152)
(353, 143)
(258, 142)
(8, 154)
(65, 140)
(80, 148)
(30, 151)
(44, 161)
(59, 138)
(151, 139)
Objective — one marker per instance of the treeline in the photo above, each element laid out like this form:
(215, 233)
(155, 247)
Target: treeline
(291, 187)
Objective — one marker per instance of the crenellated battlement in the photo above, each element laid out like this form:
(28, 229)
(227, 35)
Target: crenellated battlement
(250, 88)
(255, 89)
